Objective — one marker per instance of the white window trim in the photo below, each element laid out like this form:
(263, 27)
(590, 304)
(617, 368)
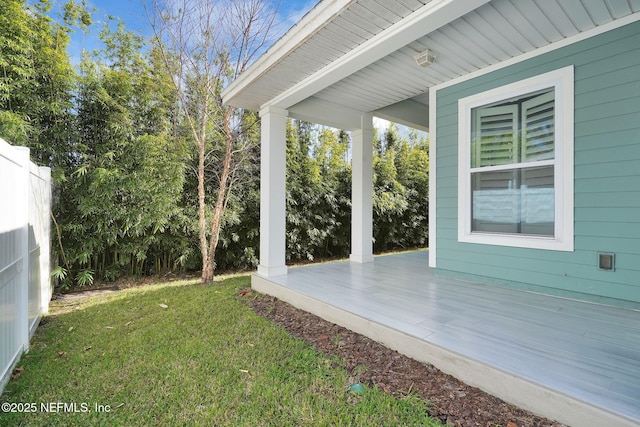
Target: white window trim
(562, 81)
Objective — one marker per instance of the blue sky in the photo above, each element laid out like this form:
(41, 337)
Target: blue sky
(134, 16)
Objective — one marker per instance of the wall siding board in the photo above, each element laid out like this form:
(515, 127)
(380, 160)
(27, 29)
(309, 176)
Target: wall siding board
(621, 94)
(607, 126)
(624, 75)
(600, 244)
(583, 265)
(525, 266)
(629, 230)
(617, 157)
(590, 287)
(613, 93)
(612, 60)
(625, 168)
(602, 184)
(448, 162)
(608, 214)
(448, 202)
(607, 178)
(610, 198)
(621, 138)
(629, 105)
(451, 130)
(448, 151)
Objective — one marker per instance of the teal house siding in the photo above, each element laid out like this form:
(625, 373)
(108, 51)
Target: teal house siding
(606, 178)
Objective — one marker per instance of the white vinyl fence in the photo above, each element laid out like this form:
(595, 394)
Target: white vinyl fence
(25, 288)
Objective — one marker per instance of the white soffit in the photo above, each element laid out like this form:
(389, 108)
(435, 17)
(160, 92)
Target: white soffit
(344, 61)
(493, 33)
(331, 29)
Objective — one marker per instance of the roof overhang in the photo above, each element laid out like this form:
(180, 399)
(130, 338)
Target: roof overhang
(421, 22)
(345, 58)
(292, 40)
(299, 98)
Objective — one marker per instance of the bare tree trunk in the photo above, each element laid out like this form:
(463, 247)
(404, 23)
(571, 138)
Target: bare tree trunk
(202, 226)
(202, 218)
(210, 41)
(216, 223)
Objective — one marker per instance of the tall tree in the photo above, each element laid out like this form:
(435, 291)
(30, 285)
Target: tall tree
(318, 192)
(37, 79)
(205, 45)
(401, 186)
(128, 181)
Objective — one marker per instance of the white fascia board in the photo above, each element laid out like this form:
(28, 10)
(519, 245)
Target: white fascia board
(320, 111)
(428, 18)
(311, 23)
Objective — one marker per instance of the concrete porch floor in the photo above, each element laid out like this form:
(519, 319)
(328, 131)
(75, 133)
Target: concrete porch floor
(571, 361)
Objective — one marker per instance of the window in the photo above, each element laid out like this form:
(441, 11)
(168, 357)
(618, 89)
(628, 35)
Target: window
(516, 164)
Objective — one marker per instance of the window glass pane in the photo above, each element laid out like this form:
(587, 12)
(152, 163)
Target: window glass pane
(538, 201)
(516, 201)
(495, 202)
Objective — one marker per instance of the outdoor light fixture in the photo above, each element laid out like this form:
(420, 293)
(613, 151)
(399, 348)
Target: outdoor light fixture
(425, 58)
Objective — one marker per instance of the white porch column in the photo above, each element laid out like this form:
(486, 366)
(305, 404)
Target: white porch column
(362, 192)
(272, 191)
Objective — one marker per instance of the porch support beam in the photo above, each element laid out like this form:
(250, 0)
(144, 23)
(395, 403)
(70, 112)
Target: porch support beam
(272, 191)
(362, 192)
(316, 110)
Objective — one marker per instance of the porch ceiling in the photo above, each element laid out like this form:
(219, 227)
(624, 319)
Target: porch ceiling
(359, 59)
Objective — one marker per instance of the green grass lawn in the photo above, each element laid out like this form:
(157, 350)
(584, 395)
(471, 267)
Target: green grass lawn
(186, 354)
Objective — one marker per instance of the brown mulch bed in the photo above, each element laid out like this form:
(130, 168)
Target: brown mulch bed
(452, 401)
